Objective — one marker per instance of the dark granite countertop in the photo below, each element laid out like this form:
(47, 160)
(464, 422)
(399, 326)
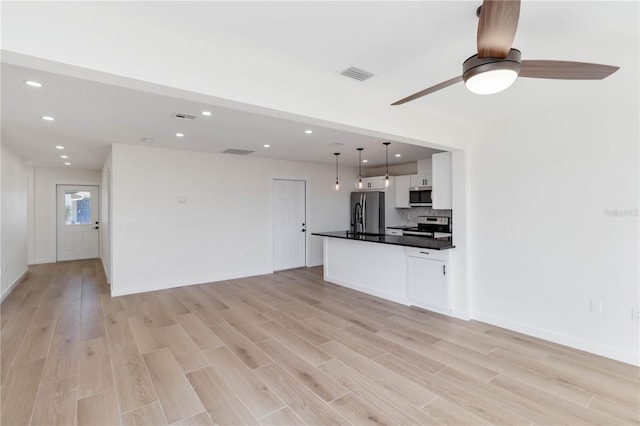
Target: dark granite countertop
(401, 227)
(397, 240)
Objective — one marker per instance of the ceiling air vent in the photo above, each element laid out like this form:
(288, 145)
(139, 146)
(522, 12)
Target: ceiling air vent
(184, 116)
(237, 151)
(356, 74)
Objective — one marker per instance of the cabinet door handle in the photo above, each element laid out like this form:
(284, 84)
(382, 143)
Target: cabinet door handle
(444, 269)
(424, 252)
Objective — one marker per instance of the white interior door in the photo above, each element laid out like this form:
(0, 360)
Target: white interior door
(290, 224)
(78, 222)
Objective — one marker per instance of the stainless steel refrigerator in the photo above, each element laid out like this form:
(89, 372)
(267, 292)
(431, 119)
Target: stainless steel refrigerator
(367, 212)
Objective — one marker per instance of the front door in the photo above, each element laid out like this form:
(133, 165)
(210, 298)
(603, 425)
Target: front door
(77, 222)
(289, 233)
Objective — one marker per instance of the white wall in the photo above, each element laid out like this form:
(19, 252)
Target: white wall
(43, 245)
(105, 217)
(14, 183)
(543, 241)
(225, 228)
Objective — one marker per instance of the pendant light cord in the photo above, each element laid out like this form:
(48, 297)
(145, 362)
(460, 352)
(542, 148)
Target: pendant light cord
(386, 176)
(360, 162)
(337, 181)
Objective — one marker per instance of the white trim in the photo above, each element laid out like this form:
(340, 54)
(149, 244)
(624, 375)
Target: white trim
(560, 338)
(40, 261)
(460, 314)
(12, 286)
(188, 281)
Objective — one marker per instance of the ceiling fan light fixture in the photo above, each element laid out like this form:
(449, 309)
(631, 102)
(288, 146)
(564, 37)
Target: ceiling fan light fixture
(486, 76)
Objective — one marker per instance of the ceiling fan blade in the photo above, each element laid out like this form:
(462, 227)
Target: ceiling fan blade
(497, 27)
(431, 89)
(565, 70)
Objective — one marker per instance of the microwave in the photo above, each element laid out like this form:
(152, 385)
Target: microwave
(420, 197)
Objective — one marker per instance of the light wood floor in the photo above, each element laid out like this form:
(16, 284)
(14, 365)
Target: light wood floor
(277, 349)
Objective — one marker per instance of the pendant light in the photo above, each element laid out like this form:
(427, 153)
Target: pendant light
(359, 182)
(386, 175)
(337, 181)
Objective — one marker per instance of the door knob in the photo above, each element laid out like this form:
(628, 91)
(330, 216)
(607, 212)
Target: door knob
(96, 227)
(303, 230)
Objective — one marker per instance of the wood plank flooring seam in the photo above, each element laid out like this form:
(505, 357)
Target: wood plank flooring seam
(137, 408)
(40, 383)
(15, 355)
(79, 340)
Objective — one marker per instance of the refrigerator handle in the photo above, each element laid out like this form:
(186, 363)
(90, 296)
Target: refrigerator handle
(364, 213)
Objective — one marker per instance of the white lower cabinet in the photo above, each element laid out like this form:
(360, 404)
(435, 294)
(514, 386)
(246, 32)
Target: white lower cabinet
(427, 279)
(407, 275)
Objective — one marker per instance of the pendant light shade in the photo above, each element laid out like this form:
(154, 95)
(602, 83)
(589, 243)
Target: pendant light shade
(337, 181)
(386, 175)
(359, 183)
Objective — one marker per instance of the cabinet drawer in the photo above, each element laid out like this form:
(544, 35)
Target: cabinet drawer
(427, 253)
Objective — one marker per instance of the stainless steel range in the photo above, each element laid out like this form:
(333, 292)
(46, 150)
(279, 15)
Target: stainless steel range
(430, 226)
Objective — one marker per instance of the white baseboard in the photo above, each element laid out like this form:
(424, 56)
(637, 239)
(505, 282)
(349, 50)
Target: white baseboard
(40, 261)
(115, 291)
(463, 315)
(13, 285)
(317, 262)
(560, 338)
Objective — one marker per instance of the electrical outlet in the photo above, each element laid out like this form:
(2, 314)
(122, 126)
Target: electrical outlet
(635, 314)
(596, 306)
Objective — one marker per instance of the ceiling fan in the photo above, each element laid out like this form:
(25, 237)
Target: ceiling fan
(496, 65)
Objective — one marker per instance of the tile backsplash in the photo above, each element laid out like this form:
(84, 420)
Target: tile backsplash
(409, 215)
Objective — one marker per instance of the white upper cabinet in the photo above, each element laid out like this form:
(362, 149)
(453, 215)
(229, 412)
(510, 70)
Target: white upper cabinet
(441, 191)
(420, 180)
(373, 183)
(403, 183)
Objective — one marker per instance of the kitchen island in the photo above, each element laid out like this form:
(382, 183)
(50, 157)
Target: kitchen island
(404, 269)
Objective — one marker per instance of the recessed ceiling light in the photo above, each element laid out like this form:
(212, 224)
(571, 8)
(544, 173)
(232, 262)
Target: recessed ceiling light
(64, 156)
(32, 83)
(267, 145)
(365, 161)
(67, 164)
(47, 118)
(179, 135)
(308, 131)
(207, 113)
(398, 155)
(59, 147)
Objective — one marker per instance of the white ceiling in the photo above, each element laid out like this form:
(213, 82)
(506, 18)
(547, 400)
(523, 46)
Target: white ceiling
(291, 49)
(90, 116)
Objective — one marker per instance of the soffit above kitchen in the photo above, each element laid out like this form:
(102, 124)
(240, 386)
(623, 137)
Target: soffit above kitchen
(287, 56)
(89, 116)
